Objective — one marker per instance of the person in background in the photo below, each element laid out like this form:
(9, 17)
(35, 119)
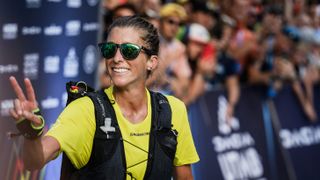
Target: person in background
(150, 10)
(172, 76)
(197, 39)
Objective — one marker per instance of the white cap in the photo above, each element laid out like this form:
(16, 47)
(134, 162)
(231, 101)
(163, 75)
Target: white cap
(198, 33)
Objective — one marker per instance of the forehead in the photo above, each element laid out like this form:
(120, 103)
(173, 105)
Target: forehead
(125, 35)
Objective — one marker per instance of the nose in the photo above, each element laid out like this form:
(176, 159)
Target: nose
(118, 56)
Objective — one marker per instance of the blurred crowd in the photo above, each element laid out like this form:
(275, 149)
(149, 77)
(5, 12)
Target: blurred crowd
(228, 43)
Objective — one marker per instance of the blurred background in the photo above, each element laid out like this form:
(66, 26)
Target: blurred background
(248, 71)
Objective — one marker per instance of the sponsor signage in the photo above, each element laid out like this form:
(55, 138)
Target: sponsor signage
(47, 42)
(52, 30)
(9, 68)
(73, 28)
(236, 148)
(298, 136)
(90, 59)
(10, 31)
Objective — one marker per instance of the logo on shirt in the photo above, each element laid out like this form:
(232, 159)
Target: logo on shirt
(140, 134)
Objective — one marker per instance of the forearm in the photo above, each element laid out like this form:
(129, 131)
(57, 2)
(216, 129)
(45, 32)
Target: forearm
(196, 88)
(233, 89)
(183, 173)
(33, 154)
(179, 86)
(36, 153)
(256, 77)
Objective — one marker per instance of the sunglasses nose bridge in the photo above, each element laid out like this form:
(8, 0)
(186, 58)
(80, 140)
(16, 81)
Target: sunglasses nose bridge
(118, 54)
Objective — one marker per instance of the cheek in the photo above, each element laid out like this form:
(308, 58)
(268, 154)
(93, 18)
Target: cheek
(107, 64)
(195, 49)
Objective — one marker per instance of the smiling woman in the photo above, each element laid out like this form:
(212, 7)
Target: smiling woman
(144, 135)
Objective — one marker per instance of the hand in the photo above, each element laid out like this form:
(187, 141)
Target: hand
(229, 113)
(23, 106)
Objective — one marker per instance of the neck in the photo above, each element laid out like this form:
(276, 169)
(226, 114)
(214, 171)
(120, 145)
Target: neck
(133, 103)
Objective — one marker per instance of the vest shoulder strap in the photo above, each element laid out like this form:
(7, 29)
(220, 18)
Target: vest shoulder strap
(161, 131)
(162, 110)
(107, 128)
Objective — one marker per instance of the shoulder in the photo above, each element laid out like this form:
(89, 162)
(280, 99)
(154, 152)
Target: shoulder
(83, 101)
(173, 101)
(177, 106)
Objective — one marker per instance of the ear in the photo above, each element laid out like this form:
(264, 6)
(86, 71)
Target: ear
(152, 63)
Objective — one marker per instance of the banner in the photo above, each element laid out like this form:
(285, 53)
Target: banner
(298, 136)
(245, 149)
(51, 42)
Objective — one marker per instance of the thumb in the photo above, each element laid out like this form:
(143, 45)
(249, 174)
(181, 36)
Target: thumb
(33, 118)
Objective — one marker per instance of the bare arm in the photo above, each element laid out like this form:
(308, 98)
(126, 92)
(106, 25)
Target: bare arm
(256, 76)
(232, 85)
(183, 172)
(288, 10)
(196, 89)
(233, 89)
(36, 152)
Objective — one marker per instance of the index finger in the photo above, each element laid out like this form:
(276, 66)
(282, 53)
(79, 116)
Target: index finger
(30, 92)
(17, 89)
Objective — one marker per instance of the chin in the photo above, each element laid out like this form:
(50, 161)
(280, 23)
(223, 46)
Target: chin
(118, 83)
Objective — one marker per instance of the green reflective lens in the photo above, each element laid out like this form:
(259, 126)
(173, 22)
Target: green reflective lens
(129, 51)
(108, 50)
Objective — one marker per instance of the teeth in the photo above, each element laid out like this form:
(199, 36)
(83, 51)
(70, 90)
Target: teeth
(120, 70)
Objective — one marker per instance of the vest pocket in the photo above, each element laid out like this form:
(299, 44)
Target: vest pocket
(167, 139)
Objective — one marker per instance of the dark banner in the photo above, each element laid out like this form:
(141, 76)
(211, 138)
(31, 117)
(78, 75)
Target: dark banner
(245, 149)
(51, 42)
(299, 137)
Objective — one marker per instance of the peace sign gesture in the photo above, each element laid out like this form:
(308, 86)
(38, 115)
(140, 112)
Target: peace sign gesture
(24, 105)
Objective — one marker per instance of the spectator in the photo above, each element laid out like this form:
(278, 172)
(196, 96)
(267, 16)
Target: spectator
(197, 39)
(172, 76)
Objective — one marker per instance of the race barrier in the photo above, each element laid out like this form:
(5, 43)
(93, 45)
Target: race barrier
(266, 139)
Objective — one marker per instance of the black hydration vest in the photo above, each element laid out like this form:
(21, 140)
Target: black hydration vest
(107, 160)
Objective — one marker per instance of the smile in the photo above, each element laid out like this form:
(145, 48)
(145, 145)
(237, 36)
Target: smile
(120, 70)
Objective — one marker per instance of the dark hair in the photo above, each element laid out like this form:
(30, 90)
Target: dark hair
(149, 35)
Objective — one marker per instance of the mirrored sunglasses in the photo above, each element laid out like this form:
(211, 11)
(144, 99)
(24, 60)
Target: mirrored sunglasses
(129, 51)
